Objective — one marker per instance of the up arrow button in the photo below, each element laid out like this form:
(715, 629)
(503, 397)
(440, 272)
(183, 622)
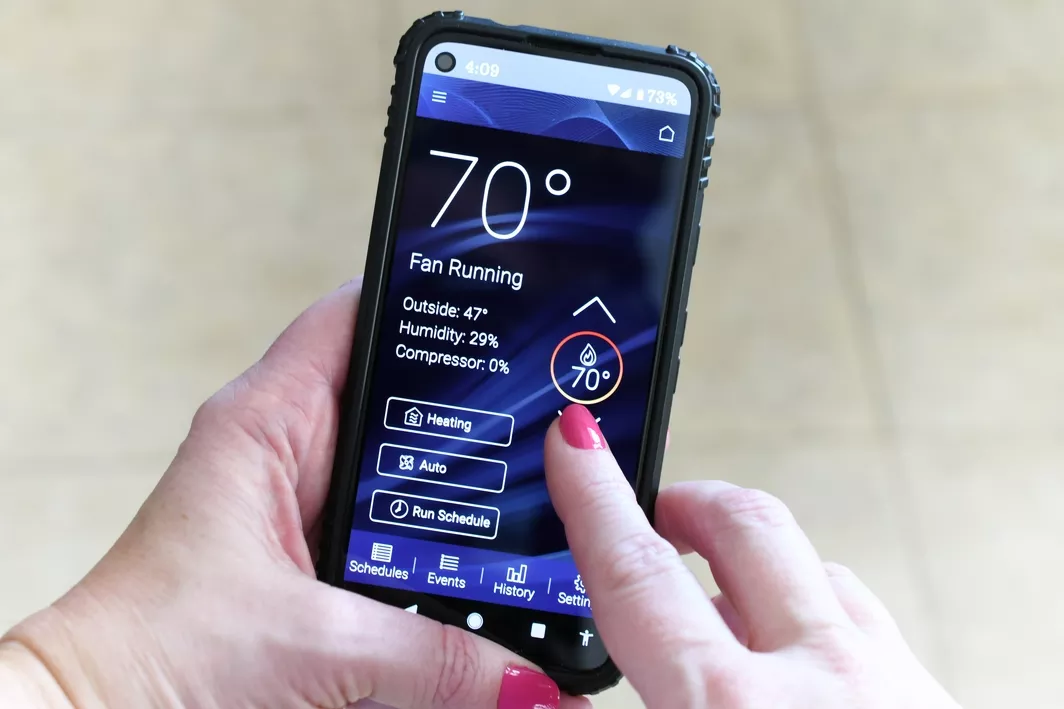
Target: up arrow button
(595, 301)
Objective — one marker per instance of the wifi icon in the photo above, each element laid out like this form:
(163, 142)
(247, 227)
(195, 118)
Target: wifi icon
(613, 89)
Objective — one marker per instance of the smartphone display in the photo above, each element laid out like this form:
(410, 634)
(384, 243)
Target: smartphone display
(533, 250)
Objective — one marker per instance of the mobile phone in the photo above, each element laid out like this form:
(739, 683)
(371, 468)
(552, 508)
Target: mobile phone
(535, 227)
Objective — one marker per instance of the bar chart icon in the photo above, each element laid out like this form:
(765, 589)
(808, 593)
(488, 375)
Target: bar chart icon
(517, 575)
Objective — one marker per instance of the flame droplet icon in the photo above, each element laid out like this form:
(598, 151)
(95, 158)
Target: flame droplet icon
(588, 357)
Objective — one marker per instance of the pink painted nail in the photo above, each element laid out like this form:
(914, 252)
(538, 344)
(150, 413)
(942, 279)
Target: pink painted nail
(523, 688)
(580, 430)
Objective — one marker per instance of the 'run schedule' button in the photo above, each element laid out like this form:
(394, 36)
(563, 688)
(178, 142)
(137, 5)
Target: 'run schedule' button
(429, 513)
(445, 421)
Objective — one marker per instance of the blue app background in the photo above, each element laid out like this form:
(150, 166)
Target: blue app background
(610, 236)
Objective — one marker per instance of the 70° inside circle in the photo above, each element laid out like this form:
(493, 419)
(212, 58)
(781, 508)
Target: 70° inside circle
(605, 375)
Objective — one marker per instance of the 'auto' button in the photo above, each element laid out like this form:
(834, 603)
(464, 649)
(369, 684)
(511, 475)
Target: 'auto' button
(441, 468)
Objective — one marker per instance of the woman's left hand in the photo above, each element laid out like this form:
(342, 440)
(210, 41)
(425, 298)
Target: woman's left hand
(210, 599)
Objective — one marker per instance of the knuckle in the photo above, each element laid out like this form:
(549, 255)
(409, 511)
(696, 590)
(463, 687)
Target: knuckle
(753, 509)
(229, 402)
(245, 412)
(843, 662)
(842, 651)
(638, 560)
(838, 571)
(601, 492)
(459, 668)
(211, 411)
(727, 686)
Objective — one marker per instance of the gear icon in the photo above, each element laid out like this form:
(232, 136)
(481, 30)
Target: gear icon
(580, 586)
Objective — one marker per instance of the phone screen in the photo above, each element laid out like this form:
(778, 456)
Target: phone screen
(539, 209)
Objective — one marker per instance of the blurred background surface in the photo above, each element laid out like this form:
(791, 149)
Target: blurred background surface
(877, 321)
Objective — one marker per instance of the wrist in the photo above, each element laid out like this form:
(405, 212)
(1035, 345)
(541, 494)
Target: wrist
(85, 651)
(55, 652)
(25, 680)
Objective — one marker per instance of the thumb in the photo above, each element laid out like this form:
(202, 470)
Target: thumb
(392, 658)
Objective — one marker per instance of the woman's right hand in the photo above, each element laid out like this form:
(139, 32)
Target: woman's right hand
(787, 631)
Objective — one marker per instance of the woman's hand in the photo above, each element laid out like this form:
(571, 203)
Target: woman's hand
(787, 632)
(209, 599)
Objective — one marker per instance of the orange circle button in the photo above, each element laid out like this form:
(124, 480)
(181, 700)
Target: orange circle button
(585, 369)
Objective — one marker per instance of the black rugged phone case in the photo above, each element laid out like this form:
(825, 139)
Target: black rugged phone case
(339, 506)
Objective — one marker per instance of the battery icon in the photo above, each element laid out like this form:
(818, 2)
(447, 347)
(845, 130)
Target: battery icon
(639, 96)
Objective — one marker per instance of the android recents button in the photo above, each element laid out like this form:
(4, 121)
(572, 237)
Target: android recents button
(434, 515)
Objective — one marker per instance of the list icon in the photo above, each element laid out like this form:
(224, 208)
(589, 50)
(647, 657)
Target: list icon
(381, 553)
(448, 563)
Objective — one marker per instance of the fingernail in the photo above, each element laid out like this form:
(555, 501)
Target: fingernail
(523, 688)
(580, 430)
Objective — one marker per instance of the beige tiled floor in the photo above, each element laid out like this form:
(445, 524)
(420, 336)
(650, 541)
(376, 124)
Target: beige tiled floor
(876, 332)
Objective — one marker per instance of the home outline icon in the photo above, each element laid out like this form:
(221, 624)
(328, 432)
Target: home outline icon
(667, 134)
(413, 417)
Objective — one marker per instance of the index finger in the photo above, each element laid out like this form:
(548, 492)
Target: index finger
(647, 604)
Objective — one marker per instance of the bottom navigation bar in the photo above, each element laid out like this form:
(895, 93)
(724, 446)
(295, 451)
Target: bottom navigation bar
(549, 583)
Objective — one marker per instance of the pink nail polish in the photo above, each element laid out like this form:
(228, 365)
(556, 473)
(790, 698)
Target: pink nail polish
(580, 430)
(523, 688)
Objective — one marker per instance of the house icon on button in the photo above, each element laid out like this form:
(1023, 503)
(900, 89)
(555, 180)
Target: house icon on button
(413, 417)
(667, 134)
